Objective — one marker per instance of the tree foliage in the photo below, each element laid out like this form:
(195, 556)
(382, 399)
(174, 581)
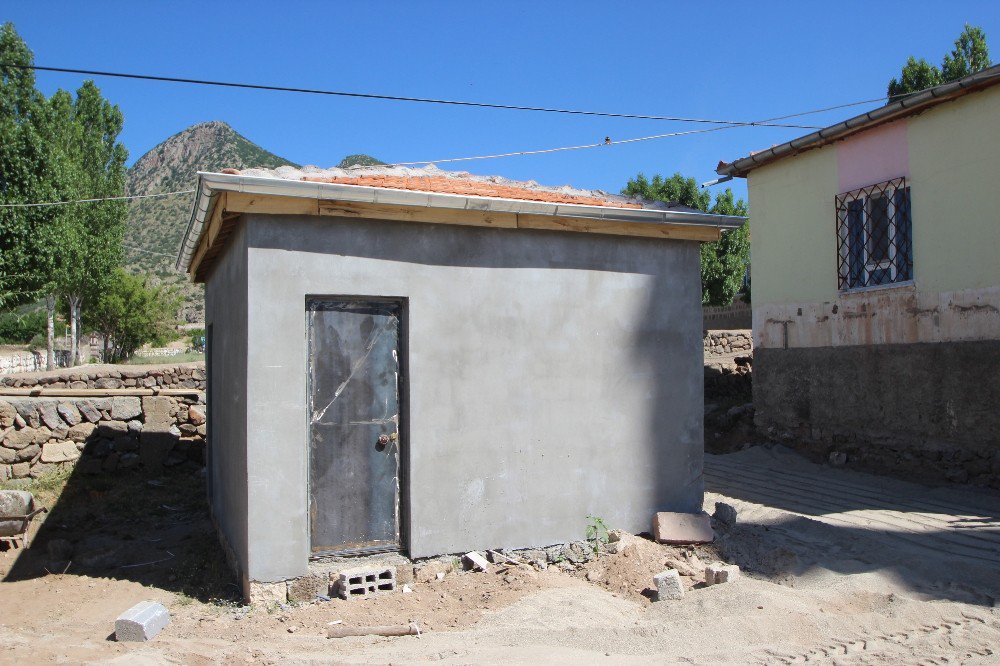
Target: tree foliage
(128, 313)
(27, 174)
(62, 148)
(723, 263)
(969, 56)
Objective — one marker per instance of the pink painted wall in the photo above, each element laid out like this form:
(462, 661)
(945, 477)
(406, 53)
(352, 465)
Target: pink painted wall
(874, 156)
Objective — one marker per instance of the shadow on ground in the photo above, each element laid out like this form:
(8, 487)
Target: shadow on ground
(800, 517)
(153, 529)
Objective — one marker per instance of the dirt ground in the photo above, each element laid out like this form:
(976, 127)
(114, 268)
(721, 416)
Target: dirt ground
(880, 571)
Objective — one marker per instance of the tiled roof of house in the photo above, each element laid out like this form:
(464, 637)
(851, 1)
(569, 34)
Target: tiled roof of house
(462, 183)
(469, 188)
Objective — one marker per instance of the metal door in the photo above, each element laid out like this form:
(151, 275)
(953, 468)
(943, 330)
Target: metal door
(354, 381)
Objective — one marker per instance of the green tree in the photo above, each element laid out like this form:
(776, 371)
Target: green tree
(128, 313)
(724, 262)
(969, 56)
(92, 165)
(27, 175)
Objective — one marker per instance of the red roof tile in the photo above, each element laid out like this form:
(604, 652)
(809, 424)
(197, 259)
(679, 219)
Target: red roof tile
(467, 187)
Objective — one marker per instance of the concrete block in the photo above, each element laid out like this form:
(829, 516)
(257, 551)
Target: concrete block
(682, 528)
(668, 585)
(142, 622)
(476, 561)
(365, 582)
(721, 573)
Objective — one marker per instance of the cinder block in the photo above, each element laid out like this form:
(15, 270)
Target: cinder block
(476, 561)
(668, 585)
(141, 622)
(364, 582)
(682, 528)
(721, 573)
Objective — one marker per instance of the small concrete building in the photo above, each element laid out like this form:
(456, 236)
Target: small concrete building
(876, 284)
(431, 362)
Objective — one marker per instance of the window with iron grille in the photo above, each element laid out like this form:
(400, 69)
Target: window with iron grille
(875, 235)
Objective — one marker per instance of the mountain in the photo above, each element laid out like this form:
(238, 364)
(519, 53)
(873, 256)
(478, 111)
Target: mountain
(156, 226)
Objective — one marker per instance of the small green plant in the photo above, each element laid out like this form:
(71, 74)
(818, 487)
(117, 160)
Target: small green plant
(597, 533)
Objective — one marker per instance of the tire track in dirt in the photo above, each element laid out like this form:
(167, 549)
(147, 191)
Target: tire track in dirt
(951, 640)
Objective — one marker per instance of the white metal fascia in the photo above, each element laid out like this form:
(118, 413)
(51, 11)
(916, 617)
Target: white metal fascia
(210, 184)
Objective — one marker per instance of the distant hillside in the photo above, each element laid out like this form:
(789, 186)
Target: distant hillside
(157, 225)
(359, 160)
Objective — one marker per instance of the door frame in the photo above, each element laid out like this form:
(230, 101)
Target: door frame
(403, 443)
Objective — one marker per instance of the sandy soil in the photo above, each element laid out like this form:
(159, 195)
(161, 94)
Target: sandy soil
(840, 568)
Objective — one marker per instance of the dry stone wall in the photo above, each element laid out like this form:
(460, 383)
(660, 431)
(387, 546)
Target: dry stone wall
(719, 343)
(188, 376)
(102, 434)
(30, 361)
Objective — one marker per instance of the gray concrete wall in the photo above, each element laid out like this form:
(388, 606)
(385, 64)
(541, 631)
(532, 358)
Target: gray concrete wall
(933, 405)
(551, 376)
(226, 312)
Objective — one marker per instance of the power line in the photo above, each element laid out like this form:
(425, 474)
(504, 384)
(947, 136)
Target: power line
(75, 201)
(398, 98)
(606, 142)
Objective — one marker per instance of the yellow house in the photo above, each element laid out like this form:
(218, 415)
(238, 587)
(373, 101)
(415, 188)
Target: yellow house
(876, 284)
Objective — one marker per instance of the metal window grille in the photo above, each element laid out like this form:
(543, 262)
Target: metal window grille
(874, 235)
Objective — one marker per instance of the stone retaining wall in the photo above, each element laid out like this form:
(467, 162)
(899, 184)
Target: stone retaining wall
(718, 343)
(190, 375)
(103, 434)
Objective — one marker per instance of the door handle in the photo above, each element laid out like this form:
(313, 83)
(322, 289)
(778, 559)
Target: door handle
(384, 439)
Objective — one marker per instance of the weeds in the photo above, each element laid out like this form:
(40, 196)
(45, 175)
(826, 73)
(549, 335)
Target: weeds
(597, 533)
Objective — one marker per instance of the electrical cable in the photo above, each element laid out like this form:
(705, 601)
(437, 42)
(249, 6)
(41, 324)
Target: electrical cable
(393, 98)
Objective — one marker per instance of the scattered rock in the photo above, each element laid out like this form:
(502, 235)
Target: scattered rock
(725, 514)
(407, 589)
(838, 458)
(668, 585)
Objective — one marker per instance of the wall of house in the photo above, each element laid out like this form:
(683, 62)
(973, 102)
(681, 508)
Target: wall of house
(229, 484)
(552, 376)
(934, 327)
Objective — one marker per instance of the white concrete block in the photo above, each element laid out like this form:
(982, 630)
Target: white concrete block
(474, 560)
(141, 622)
(721, 573)
(668, 585)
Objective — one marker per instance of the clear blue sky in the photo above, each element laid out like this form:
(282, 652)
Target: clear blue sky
(742, 61)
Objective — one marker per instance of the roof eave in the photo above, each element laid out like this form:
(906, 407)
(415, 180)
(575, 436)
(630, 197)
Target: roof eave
(210, 184)
(900, 108)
